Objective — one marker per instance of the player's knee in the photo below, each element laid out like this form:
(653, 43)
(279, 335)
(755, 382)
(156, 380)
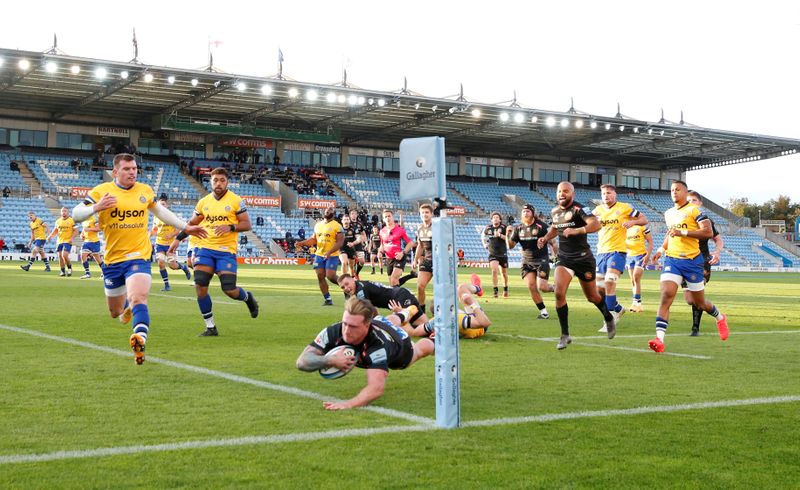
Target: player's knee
(227, 282)
(202, 278)
(611, 277)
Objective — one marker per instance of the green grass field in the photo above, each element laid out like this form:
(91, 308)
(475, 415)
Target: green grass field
(232, 411)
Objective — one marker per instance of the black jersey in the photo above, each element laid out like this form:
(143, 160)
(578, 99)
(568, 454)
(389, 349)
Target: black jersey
(385, 346)
(425, 237)
(351, 234)
(495, 239)
(528, 238)
(380, 294)
(574, 216)
(704, 243)
(374, 242)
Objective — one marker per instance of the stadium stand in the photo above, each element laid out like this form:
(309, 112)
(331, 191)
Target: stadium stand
(10, 178)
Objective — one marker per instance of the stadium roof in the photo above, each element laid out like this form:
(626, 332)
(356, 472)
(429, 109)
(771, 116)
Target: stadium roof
(227, 104)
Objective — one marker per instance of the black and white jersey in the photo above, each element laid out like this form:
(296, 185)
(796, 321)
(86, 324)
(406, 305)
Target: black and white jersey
(385, 346)
(425, 237)
(704, 243)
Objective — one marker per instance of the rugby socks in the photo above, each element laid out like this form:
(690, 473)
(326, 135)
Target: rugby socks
(697, 314)
(601, 305)
(563, 318)
(661, 328)
(406, 278)
(185, 269)
(165, 276)
(542, 308)
(637, 297)
(141, 321)
(359, 267)
(496, 290)
(715, 312)
(505, 289)
(242, 295)
(86, 266)
(611, 303)
(205, 309)
(327, 296)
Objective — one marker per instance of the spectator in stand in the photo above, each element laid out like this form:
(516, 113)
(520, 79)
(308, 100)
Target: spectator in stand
(3, 244)
(276, 160)
(6, 191)
(301, 233)
(289, 239)
(259, 221)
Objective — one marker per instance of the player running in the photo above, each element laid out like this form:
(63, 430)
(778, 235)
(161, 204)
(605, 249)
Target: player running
(709, 259)
(90, 234)
(374, 250)
(328, 238)
(572, 223)
(165, 234)
(683, 262)
(395, 245)
(424, 253)
(535, 269)
(615, 219)
(223, 215)
(65, 228)
(123, 207)
(38, 238)
(494, 241)
(639, 248)
(379, 343)
(353, 247)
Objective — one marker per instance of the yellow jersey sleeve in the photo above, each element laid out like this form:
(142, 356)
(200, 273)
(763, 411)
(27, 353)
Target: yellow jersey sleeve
(90, 236)
(125, 225)
(686, 217)
(326, 235)
(215, 212)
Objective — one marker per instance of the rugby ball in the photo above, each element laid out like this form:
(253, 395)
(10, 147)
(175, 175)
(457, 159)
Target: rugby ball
(334, 372)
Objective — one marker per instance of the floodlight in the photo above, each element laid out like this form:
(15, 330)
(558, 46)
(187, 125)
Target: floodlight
(579, 123)
(100, 73)
(293, 92)
(352, 99)
(519, 117)
(564, 122)
(342, 99)
(24, 64)
(381, 102)
(51, 67)
(148, 77)
(312, 95)
(266, 89)
(171, 79)
(593, 124)
(331, 97)
(123, 75)
(194, 82)
(504, 116)
(534, 119)
(550, 121)
(75, 69)
(476, 113)
(241, 86)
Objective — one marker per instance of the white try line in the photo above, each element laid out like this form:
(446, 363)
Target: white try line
(345, 433)
(579, 341)
(685, 334)
(220, 374)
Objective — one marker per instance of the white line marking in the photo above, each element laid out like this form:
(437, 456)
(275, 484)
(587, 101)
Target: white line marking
(339, 434)
(190, 298)
(633, 411)
(685, 334)
(220, 374)
(579, 341)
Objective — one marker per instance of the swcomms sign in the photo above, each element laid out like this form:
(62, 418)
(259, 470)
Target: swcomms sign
(422, 168)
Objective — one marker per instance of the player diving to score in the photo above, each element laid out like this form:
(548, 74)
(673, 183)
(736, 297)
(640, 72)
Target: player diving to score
(123, 207)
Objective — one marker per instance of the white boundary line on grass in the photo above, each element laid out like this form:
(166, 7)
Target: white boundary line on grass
(220, 374)
(684, 334)
(194, 298)
(579, 341)
(340, 434)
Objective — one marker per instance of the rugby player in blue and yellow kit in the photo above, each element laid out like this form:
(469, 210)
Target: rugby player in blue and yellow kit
(615, 220)
(123, 207)
(65, 230)
(90, 233)
(328, 238)
(223, 215)
(164, 234)
(639, 244)
(687, 225)
(38, 238)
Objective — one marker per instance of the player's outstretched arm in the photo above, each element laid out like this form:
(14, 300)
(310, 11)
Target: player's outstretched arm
(311, 359)
(376, 382)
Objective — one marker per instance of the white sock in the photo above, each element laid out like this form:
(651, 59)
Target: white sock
(660, 334)
(209, 322)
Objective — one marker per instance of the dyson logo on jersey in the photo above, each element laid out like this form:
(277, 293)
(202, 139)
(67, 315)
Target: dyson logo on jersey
(606, 222)
(679, 226)
(123, 215)
(214, 219)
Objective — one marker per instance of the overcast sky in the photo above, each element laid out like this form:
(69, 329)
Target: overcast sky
(727, 65)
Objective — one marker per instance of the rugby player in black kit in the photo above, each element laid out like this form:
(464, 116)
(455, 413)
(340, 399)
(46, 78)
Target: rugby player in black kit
(571, 222)
(380, 295)
(535, 261)
(494, 241)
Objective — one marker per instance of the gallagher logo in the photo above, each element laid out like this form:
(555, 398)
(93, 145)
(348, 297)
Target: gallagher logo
(123, 215)
(420, 162)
